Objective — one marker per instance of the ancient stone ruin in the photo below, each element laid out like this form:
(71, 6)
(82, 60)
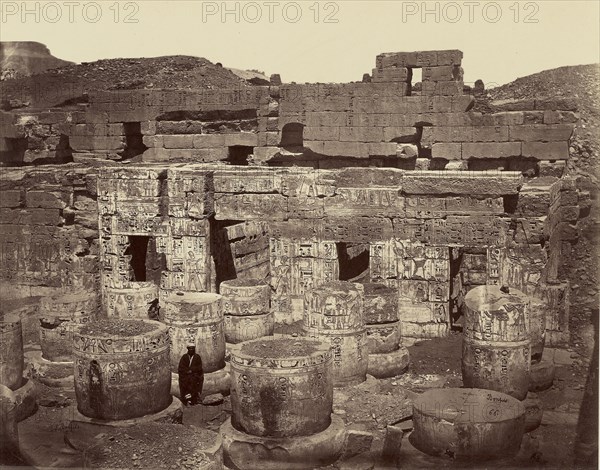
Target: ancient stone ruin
(348, 220)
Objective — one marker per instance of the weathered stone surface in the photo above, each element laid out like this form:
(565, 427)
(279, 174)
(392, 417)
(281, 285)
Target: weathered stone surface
(242, 451)
(383, 337)
(448, 151)
(357, 442)
(557, 297)
(336, 306)
(541, 375)
(468, 423)
(11, 351)
(121, 377)
(244, 328)
(491, 150)
(24, 397)
(392, 445)
(59, 316)
(396, 74)
(537, 328)
(494, 315)
(546, 150)
(131, 302)
(419, 59)
(533, 412)
(251, 207)
(350, 357)
(443, 88)
(541, 133)
(245, 297)
(380, 303)
(274, 395)
(390, 364)
(491, 134)
(9, 444)
(452, 182)
(194, 318)
(500, 366)
(52, 374)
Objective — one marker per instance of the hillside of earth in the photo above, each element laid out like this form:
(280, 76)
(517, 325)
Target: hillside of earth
(67, 85)
(19, 59)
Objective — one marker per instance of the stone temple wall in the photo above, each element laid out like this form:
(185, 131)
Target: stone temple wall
(262, 182)
(49, 230)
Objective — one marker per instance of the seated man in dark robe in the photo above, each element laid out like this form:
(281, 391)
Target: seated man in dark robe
(191, 376)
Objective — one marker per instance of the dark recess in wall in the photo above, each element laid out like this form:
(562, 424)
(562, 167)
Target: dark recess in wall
(352, 261)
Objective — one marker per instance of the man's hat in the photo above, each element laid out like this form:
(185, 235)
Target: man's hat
(191, 345)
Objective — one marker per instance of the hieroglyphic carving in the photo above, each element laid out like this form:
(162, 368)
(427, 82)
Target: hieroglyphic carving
(360, 201)
(334, 306)
(438, 291)
(383, 261)
(415, 290)
(157, 341)
(494, 268)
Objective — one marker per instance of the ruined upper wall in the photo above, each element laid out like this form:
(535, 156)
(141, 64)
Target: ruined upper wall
(381, 121)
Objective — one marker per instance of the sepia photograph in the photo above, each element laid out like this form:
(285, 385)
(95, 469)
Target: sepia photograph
(299, 235)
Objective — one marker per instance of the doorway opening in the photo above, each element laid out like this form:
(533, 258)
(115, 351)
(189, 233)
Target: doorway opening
(353, 259)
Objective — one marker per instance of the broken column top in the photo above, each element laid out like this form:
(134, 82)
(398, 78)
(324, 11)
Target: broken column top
(281, 353)
(493, 298)
(468, 405)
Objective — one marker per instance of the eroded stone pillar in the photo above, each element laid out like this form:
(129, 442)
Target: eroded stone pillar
(195, 317)
(14, 386)
(9, 431)
(247, 310)
(387, 357)
(11, 351)
(59, 316)
(131, 302)
(281, 387)
(282, 401)
(122, 369)
(334, 312)
(496, 343)
(537, 328)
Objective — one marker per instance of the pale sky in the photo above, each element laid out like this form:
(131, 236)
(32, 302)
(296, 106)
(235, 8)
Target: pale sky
(308, 41)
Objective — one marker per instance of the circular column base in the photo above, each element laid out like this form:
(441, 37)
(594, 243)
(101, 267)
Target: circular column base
(242, 451)
(541, 375)
(24, 398)
(390, 364)
(214, 382)
(52, 374)
(533, 412)
(172, 414)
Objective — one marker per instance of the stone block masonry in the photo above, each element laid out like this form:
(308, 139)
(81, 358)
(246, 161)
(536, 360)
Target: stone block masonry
(446, 198)
(356, 121)
(49, 229)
